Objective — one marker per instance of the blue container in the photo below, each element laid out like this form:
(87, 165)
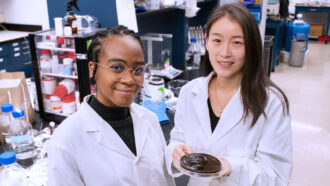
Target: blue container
(294, 28)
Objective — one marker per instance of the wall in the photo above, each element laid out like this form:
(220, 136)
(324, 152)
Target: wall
(32, 12)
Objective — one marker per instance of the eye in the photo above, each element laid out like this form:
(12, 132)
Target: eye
(118, 67)
(237, 43)
(216, 40)
(139, 71)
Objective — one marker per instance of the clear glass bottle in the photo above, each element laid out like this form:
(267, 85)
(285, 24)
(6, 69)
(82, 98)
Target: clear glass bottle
(5, 121)
(11, 173)
(21, 137)
(193, 56)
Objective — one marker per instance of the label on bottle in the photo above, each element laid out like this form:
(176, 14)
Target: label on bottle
(20, 139)
(74, 24)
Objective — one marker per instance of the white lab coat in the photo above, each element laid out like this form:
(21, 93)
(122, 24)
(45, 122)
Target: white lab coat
(85, 150)
(260, 156)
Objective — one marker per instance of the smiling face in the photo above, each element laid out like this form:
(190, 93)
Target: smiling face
(226, 48)
(110, 91)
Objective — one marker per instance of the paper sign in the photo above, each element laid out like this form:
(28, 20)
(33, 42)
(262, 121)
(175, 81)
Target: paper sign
(126, 14)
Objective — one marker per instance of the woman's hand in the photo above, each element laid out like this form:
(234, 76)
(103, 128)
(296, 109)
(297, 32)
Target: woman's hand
(179, 151)
(225, 167)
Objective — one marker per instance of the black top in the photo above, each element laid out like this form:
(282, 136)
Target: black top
(213, 118)
(119, 119)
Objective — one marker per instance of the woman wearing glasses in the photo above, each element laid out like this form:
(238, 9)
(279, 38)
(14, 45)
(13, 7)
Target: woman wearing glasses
(110, 140)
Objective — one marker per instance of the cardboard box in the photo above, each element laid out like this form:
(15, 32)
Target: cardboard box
(316, 30)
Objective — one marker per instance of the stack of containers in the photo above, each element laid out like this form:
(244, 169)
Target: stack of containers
(298, 26)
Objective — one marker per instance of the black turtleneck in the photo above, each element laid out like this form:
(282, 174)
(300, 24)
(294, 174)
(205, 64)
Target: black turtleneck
(119, 119)
(213, 118)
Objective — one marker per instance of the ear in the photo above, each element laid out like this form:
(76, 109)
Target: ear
(91, 66)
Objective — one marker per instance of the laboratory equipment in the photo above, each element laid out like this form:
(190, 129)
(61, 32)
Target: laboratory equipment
(11, 174)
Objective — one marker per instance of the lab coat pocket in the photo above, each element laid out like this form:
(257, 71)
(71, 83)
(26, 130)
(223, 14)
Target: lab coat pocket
(158, 170)
(240, 153)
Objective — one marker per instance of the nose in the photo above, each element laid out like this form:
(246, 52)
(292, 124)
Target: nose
(128, 77)
(225, 50)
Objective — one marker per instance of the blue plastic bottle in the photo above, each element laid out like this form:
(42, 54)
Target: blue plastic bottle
(293, 28)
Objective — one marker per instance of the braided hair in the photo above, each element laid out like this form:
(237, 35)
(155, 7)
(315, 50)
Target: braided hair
(98, 40)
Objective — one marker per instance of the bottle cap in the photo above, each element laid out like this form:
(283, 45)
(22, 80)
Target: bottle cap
(18, 113)
(7, 158)
(48, 79)
(61, 91)
(6, 108)
(43, 51)
(71, 54)
(52, 124)
(60, 40)
(68, 99)
(193, 40)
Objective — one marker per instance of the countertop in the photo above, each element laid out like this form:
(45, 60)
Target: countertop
(7, 35)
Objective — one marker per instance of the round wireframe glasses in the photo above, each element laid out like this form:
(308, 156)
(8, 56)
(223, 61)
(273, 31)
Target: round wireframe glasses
(119, 71)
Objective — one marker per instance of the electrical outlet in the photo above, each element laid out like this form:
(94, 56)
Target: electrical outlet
(2, 17)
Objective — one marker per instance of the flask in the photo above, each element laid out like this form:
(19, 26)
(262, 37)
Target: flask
(5, 121)
(21, 137)
(193, 57)
(11, 173)
(72, 21)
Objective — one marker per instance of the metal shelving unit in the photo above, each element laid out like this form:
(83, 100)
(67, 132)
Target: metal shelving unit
(77, 51)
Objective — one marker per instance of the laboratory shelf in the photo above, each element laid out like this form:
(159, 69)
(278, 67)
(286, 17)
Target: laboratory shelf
(151, 12)
(59, 75)
(57, 113)
(56, 49)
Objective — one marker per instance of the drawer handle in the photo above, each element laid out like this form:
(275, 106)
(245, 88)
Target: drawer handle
(25, 42)
(0, 49)
(1, 60)
(15, 44)
(26, 47)
(17, 54)
(27, 63)
(16, 49)
(26, 53)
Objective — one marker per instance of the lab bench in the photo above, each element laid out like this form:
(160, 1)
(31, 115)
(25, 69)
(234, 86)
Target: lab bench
(325, 9)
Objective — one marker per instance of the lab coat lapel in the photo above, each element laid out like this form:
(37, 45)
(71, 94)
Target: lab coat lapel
(105, 135)
(200, 105)
(230, 117)
(141, 129)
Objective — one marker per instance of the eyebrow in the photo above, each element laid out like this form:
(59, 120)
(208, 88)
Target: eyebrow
(138, 63)
(237, 36)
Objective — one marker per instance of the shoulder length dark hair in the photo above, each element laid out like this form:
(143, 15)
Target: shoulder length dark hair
(254, 82)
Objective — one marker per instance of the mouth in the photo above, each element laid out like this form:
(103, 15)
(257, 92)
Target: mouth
(225, 64)
(126, 92)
